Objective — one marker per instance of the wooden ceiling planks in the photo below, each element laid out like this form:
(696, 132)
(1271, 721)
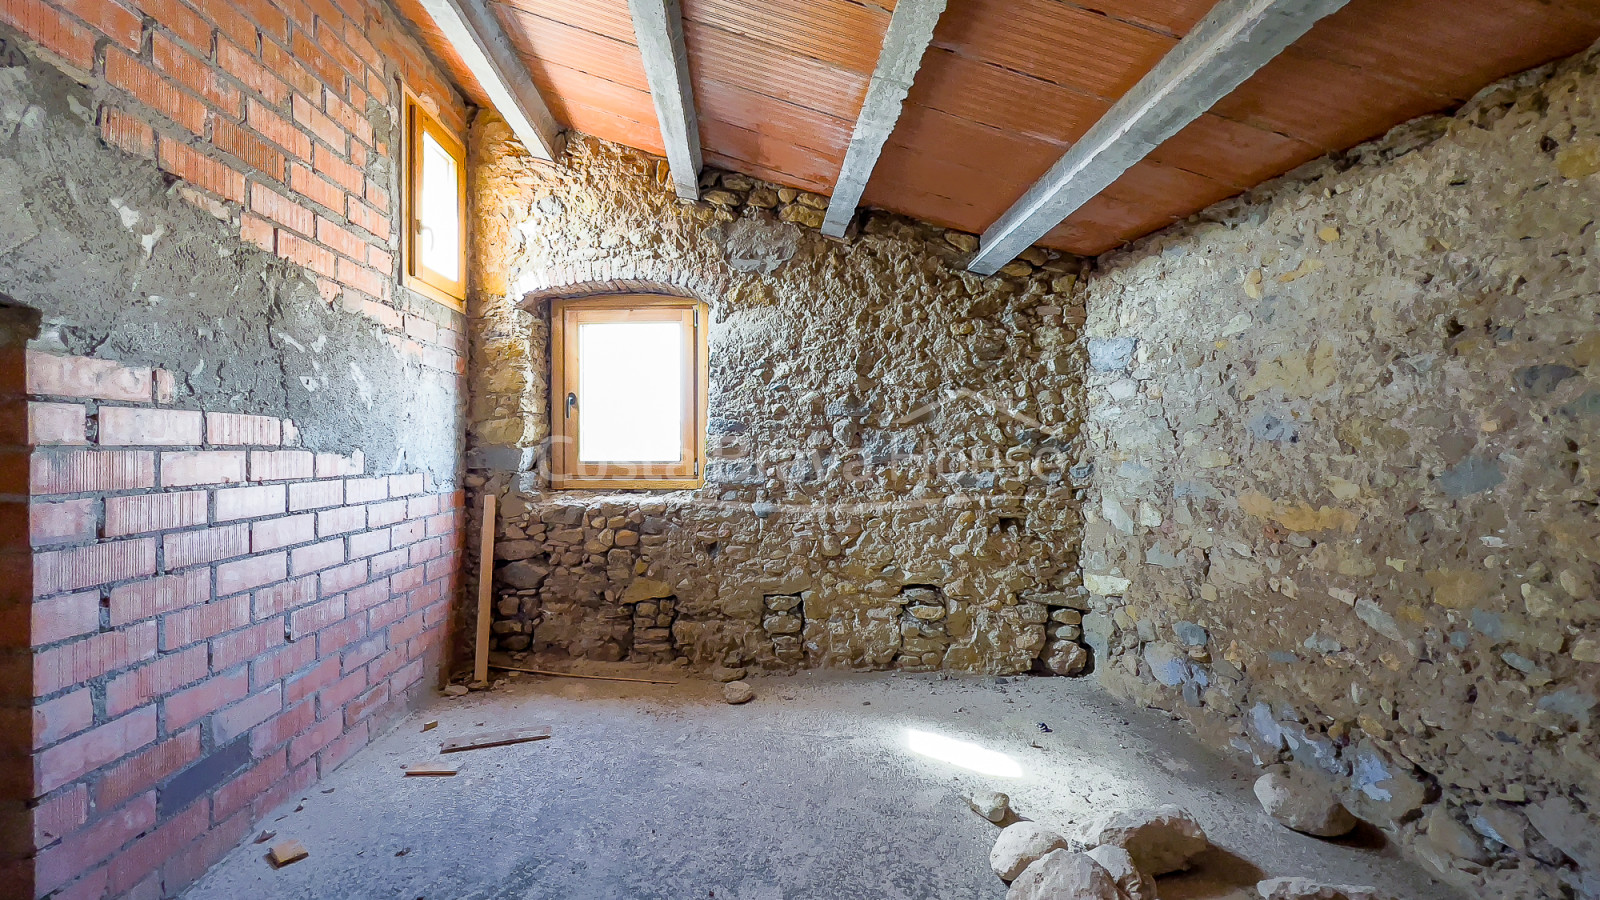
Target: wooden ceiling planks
(1009, 85)
(1355, 75)
(778, 84)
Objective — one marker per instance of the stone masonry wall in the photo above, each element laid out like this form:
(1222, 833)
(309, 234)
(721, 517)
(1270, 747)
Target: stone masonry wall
(890, 435)
(1344, 494)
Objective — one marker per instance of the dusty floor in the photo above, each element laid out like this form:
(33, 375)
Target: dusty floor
(810, 791)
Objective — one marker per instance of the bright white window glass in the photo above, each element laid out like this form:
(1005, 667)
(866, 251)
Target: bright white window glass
(630, 391)
(438, 211)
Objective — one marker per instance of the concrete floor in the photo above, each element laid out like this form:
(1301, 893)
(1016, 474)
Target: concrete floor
(810, 791)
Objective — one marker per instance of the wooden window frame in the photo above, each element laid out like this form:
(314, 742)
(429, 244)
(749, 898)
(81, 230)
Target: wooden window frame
(415, 275)
(566, 472)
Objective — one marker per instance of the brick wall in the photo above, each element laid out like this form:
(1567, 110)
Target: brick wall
(218, 616)
(281, 117)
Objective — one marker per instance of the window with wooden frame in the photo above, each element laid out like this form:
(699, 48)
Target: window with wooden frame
(435, 208)
(627, 392)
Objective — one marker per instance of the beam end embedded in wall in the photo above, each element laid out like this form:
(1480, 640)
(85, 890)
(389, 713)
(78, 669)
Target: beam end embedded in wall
(471, 29)
(907, 38)
(658, 26)
(1229, 45)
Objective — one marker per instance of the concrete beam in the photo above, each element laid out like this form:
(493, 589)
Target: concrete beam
(476, 35)
(1229, 45)
(658, 25)
(910, 31)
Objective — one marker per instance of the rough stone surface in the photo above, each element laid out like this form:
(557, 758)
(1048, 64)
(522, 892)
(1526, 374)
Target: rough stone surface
(1132, 882)
(1064, 875)
(1019, 845)
(737, 692)
(1306, 889)
(1303, 803)
(1363, 466)
(1160, 839)
(992, 805)
(890, 434)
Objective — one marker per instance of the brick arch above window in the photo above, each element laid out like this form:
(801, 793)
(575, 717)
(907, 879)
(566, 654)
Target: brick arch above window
(618, 277)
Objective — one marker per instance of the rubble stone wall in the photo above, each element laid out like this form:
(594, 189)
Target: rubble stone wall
(891, 436)
(1343, 498)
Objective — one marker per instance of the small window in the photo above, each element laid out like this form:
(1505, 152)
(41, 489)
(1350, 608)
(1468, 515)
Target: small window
(435, 209)
(627, 392)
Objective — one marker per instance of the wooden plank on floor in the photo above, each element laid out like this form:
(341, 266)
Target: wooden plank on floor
(495, 739)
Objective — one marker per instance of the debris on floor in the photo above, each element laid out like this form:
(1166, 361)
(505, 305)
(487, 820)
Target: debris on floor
(1020, 845)
(1303, 804)
(495, 739)
(456, 690)
(265, 836)
(285, 852)
(1114, 857)
(430, 725)
(992, 805)
(430, 770)
(1306, 889)
(737, 692)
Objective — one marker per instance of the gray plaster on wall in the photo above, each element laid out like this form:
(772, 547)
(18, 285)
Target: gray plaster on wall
(121, 267)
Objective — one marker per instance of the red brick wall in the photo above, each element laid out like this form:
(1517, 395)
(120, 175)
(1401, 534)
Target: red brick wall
(217, 617)
(267, 111)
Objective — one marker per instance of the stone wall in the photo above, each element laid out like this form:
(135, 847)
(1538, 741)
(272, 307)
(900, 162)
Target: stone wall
(1344, 496)
(888, 480)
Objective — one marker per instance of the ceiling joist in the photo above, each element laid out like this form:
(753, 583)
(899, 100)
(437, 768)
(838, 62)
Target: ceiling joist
(658, 26)
(471, 29)
(907, 38)
(1229, 45)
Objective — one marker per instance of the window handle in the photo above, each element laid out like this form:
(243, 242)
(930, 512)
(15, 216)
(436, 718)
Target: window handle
(572, 403)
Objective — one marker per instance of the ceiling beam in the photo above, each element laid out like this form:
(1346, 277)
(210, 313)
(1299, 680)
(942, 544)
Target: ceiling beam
(658, 25)
(909, 33)
(1229, 45)
(476, 35)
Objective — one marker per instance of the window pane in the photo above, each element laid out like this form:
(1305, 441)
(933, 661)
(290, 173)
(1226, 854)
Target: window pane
(439, 243)
(630, 392)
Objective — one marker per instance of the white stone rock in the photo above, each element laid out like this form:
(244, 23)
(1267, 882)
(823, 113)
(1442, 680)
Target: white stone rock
(992, 805)
(737, 692)
(1301, 803)
(1306, 889)
(1129, 879)
(1107, 585)
(1064, 875)
(1160, 839)
(1019, 845)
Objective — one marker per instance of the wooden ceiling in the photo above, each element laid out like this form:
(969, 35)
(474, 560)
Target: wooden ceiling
(1008, 85)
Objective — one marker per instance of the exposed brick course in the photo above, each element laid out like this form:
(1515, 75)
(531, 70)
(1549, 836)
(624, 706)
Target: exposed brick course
(278, 621)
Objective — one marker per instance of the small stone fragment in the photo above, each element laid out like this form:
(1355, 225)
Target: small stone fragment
(1064, 875)
(1129, 879)
(725, 674)
(1066, 657)
(1301, 803)
(1306, 889)
(737, 692)
(1019, 845)
(1160, 839)
(992, 805)
(455, 690)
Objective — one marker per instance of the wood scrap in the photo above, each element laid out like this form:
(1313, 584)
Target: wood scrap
(430, 770)
(576, 675)
(495, 739)
(286, 852)
(430, 725)
(480, 661)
